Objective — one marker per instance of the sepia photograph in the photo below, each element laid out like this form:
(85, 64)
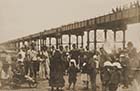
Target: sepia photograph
(69, 45)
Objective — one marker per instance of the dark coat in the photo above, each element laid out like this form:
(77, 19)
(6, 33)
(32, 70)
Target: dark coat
(57, 70)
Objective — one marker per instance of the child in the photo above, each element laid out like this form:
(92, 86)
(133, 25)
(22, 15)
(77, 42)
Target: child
(72, 75)
(84, 75)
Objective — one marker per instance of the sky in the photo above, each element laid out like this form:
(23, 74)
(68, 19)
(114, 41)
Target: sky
(23, 17)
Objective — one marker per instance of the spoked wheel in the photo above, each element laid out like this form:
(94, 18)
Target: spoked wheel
(33, 84)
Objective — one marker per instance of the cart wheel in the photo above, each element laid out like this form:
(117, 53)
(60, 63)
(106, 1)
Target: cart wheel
(33, 84)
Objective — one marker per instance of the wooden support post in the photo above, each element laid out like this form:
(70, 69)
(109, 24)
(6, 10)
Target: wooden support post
(50, 42)
(28, 43)
(124, 40)
(69, 41)
(15, 46)
(61, 39)
(58, 40)
(95, 39)
(88, 40)
(38, 44)
(77, 42)
(18, 44)
(82, 41)
(23, 43)
(105, 35)
(57, 44)
(44, 41)
(114, 38)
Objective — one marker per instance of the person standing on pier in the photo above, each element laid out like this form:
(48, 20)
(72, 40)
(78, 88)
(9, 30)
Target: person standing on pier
(35, 63)
(47, 62)
(75, 53)
(72, 75)
(57, 71)
(92, 71)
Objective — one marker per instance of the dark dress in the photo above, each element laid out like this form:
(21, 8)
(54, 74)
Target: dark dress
(57, 70)
(72, 71)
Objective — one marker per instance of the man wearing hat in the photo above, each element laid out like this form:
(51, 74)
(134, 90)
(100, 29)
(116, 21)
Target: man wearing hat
(115, 77)
(4, 64)
(125, 69)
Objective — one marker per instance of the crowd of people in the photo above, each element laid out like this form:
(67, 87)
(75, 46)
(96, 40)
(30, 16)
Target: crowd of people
(115, 69)
(135, 4)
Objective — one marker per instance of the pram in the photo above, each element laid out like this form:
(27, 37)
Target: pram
(20, 78)
(16, 82)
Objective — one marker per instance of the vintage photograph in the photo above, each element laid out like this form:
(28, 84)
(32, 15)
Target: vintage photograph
(69, 45)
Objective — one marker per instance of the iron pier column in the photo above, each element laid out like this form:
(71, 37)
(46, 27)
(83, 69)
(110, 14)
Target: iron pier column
(114, 38)
(38, 44)
(124, 40)
(61, 39)
(82, 41)
(105, 35)
(69, 41)
(95, 39)
(77, 41)
(56, 42)
(50, 42)
(88, 39)
(44, 41)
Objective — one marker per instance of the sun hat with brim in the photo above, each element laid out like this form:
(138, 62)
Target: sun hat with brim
(107, 63)
(122, 55)
(117, 64)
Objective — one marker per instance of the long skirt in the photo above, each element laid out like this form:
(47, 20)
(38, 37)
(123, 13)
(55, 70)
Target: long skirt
(42, 70)
(56, 79)
(48, 68)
